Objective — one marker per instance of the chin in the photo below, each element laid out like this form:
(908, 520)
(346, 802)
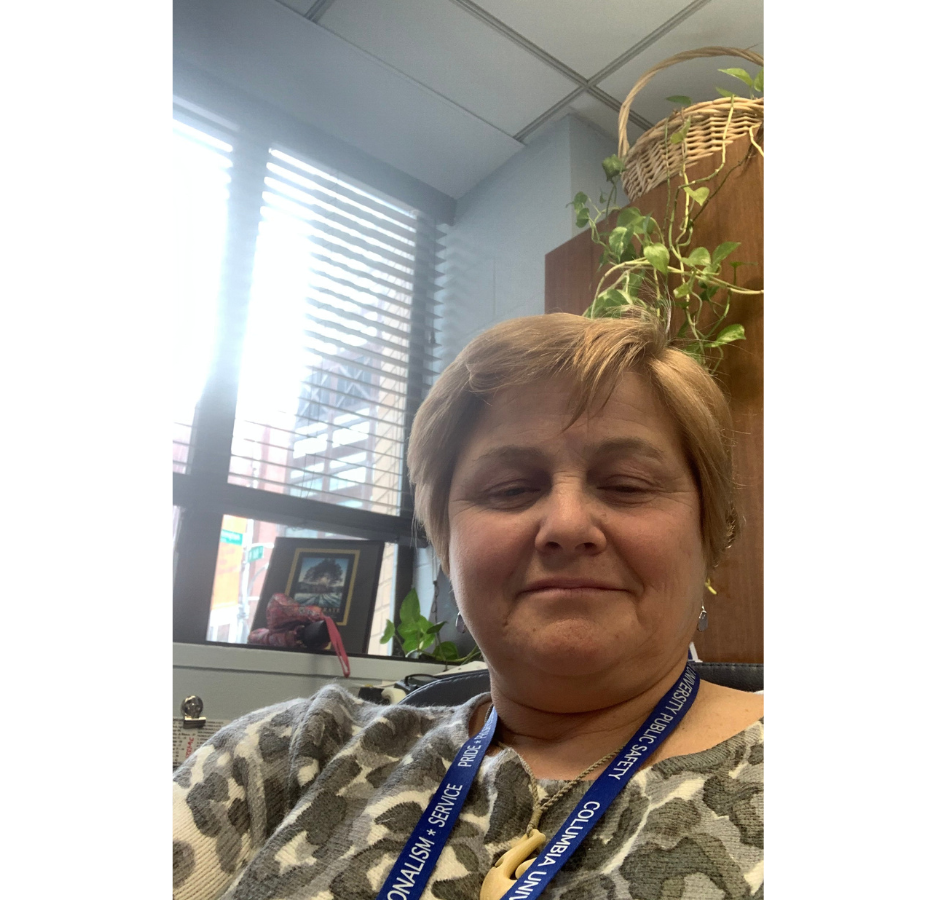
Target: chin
(568, 650)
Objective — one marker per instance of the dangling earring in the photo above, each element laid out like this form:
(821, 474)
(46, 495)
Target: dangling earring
(703, 619)
(460, 625)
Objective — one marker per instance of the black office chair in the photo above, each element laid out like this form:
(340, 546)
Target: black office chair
(459, 687)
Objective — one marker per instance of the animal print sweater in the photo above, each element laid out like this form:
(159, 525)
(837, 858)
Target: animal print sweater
(314, 799)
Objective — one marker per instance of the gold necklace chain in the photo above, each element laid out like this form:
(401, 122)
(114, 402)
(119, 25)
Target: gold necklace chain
(540, 808)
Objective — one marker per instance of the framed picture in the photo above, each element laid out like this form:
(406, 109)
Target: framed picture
(338, 577)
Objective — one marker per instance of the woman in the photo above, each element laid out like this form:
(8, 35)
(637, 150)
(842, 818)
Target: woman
(574, 477)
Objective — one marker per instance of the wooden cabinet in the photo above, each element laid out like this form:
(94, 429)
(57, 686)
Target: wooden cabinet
(735, 213)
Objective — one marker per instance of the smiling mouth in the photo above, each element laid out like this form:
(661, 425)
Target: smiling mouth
(570, 587)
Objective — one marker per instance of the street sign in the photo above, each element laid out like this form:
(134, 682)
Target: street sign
(255, 553)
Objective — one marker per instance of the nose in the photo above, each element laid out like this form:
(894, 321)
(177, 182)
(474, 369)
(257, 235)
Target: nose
(570, 523)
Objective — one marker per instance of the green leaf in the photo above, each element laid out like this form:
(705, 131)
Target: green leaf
(729, 334)
(409, 631)
(605, 304)
(739, 73)
(725, 93)
(682, 290)
(613, 166)
(658, 256)
(411, 643)
(580, 200)
(597, 307)
(700, 195)
(389, 631)
(678, 137)
(632, 300)
(447, 651)
(618, 239)
(699, 257)
(723, 250)
(759, 81)
(636, 280)
(435, 629)
(409, 608)
(427, 640)
(581, 218)
(629, 217)
(694, 349)
(681, 99)
(648, 225)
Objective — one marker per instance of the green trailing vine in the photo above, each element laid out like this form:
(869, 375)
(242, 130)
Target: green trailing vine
(652, 266)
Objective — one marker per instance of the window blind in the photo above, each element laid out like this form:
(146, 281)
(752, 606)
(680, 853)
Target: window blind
(201, 165)
(328, 364)
(337, 350)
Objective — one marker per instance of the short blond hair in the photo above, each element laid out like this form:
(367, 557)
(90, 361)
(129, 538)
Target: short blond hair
(594, 353)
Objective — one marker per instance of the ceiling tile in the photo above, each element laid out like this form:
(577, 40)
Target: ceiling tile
(721, 23)
(300, 6)
(585, 36)
(593, 111)
(321, 79)
(599, 114)
(450, 51)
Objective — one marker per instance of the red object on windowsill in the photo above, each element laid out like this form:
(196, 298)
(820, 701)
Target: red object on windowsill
(287, 621)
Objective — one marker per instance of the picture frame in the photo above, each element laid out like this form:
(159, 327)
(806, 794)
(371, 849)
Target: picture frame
(338, 576)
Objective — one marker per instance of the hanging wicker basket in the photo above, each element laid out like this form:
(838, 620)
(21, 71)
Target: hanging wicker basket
(654, 158)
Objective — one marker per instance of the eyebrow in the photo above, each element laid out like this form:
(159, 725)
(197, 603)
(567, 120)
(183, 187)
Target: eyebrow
(631, 446)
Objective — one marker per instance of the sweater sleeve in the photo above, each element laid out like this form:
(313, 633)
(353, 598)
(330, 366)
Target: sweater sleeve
(230, 795)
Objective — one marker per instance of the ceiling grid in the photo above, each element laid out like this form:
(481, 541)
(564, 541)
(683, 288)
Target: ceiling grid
(444, 91)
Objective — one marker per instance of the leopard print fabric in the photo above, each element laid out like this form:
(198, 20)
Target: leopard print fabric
(314, 800)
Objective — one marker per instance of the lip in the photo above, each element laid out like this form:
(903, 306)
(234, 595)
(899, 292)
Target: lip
(569, 584)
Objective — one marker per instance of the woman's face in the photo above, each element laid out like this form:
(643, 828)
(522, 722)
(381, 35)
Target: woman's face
(577, 553)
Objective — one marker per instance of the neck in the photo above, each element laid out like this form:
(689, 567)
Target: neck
(562, 744)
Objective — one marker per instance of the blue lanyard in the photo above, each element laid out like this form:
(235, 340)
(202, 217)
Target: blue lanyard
(410, 873)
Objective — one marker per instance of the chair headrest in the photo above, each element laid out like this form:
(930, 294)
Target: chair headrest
(460, 687)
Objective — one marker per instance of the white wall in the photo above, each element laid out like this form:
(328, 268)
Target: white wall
(495, 252)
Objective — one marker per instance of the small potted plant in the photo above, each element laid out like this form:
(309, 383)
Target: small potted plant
(417, 637)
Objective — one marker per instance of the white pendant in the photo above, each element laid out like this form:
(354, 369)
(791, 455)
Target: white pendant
(511, 866)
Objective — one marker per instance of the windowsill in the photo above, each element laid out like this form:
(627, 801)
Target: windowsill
(239, 658)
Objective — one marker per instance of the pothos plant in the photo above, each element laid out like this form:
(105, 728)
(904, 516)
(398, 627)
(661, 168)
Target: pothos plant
(651, 264)
(416, 636)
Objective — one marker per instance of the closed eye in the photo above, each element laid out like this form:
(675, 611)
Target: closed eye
(511, 495)
(627, 491)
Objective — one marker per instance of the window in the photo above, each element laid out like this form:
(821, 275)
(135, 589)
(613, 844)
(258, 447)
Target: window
(305, 325)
